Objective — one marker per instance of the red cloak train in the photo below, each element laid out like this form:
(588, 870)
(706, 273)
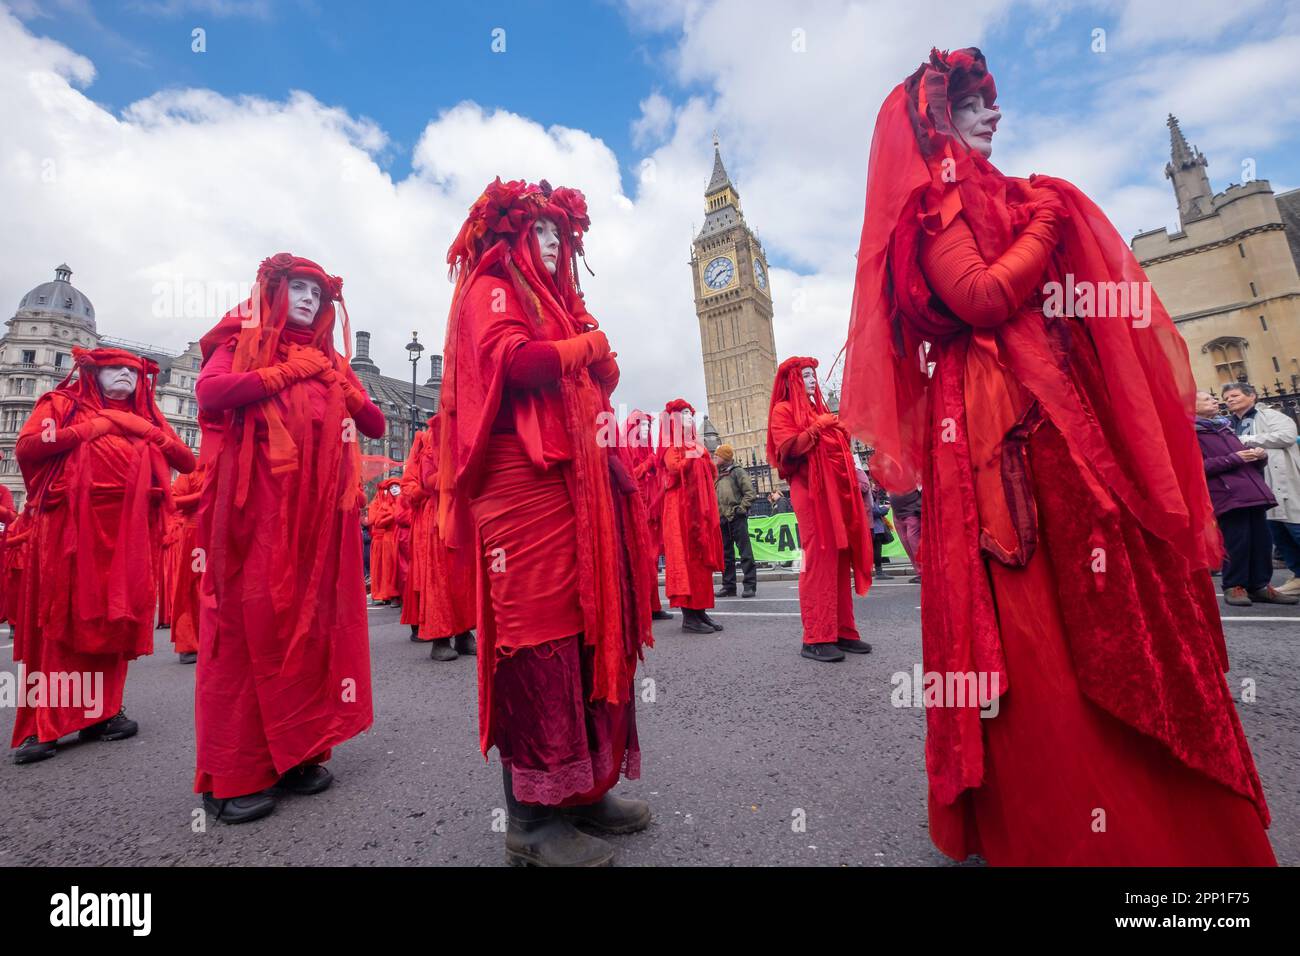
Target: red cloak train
(1067, 526)
(97, 472)
(284, 654)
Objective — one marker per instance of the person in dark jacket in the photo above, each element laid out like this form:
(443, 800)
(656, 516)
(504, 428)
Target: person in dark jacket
(780, 504)
(735, 496)
(1241, 498)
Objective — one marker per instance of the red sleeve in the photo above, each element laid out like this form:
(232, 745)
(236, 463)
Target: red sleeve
(219, 389)
(978, 293)
(32, 446)
(533, 365)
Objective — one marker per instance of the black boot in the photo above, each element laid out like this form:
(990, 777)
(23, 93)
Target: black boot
(117, 727)
(189, 657)
(827, 653)
(32, 750)
(725, 592)
(415, 633)
(441, 650)
(543, 836)
(749, 590)
(306, 780)
(692, 624)
(660, 616)
(853, 645)
(252, 806)
(705, 619)
(465, 643)
(611, 814)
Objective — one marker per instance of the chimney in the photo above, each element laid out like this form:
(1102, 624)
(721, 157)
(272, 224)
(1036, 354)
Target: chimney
(363, 346)
(435, 372)
(361, 362)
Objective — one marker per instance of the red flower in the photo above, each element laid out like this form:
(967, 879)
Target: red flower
(275, 266)
(505, 210)
(574, 205)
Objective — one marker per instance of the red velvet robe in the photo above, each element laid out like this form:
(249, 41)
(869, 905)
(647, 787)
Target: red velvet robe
(284, 649)
(416, 502)
(644, 462)
(385, 569)
(447, 595)
(8, 514)
(167, 570)
(93, 558)
(186, 493)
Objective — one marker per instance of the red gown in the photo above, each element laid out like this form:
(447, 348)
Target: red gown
(385, 569)
(834, 530)
(416, 503)
(186, 493)
(284, 657)
(1067, 524)
(97, 500)
(558, 534)
(167, 570)
(645, 470)
(8, 514)
(448, 601)
(691, 527)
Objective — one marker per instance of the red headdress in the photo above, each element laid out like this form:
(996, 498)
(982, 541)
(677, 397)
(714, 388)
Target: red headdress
(1119, 393)
(497, 241)
(788, 387)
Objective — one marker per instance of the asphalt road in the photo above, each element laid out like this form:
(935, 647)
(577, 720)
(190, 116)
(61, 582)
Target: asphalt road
(742, 740)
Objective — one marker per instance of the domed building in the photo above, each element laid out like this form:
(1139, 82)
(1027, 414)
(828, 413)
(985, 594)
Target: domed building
(36, 354)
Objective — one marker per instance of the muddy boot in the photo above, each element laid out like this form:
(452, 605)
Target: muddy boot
(441, 650)
(611, 814)
(465, 644)
(543, 836)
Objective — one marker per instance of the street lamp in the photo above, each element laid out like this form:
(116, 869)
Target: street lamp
(416, 349)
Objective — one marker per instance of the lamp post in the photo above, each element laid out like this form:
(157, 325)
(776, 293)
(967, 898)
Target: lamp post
(416, 349)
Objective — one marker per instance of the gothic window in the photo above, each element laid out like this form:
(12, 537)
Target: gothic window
(1229, 357)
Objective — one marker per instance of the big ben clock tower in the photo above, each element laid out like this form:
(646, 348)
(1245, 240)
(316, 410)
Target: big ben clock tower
(734, 304)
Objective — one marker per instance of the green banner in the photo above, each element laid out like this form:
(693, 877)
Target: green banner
(776, 538)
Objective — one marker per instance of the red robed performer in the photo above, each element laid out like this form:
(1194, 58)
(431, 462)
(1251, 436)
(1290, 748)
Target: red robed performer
(96, 455)
(447, 597)
(284, 656)
(555, 518)
(811, 451)
(416, 502)
(385, 567)
(692, 529)
(1067, 526)
(186, 492)
(644, 458)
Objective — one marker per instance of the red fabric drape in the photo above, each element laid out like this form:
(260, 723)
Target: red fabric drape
(385, 570)
(922, 386)
(186, 493)
(447, 595)
(691, 527)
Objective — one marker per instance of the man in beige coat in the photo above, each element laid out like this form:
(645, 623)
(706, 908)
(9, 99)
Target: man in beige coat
(1259, 426)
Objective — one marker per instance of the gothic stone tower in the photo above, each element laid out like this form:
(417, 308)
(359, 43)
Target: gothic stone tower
(734, 306)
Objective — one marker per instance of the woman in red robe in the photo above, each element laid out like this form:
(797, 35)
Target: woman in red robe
(186, 492)
(447, 599)
(555, 519)
(96, 455)
(1067, 522)
(385, 570)
(691, 527)
(416, 503)
(811, 451)
(8, 513)
(284, 649)
(644, 459)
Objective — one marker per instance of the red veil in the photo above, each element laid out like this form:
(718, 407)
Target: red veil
(311, 476)
(124, 590)
(497, 241)
(1120, 392)
(838, 504)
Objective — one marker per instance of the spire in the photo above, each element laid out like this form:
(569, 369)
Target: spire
(1186, 169)
(720, 180)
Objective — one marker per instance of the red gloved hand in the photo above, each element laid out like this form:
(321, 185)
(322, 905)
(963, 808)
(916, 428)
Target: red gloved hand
(606, 370)
(128, 423)
(582, 350)
(826, 419)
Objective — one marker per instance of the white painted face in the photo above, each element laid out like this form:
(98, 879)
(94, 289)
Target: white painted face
(117, 381)
(643, 430)
(688, 422)
(809, 379)
(548, 241)
(394, 490)
(304, 300)
(976, 123)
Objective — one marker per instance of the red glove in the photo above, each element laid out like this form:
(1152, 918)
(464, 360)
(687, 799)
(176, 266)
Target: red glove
(826, 419)
(582, 350)
(129, 423)
(606, 370)
(301, 363)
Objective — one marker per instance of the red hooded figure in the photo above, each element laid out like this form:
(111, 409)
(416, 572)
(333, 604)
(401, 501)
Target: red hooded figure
(8, 514)
(96, 456)
(1067, 528)
(643, 458)
(385, 558)
(284, 658)
(188, 565)
(811, 451)
(692, 529)
(442, 578)
(552, 515)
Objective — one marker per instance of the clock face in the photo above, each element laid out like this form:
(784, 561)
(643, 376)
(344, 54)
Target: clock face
(719, 272)
(760, 276)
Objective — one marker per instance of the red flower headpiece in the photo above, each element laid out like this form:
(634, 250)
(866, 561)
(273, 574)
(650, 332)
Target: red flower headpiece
(939, 83)
(507, 208)
(679, 405)
(280, 266)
